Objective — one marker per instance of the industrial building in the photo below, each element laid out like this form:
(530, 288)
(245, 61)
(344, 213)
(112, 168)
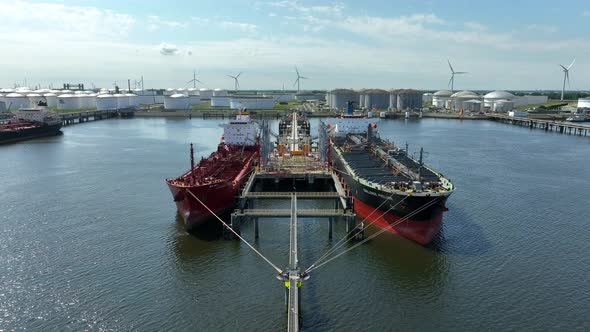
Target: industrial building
(338, 98)
(408, 99)
(374, 98)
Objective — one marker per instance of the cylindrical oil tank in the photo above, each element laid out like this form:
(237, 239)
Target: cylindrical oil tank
(133, 99)
(68, 102)
(392, 100)
(251, 103)
(169, 92)
(51, 99)
(375, 98)
(409, 99)
(106, 102)
(194, 99)
(584, 103)
(122, 100)
(91, 100)
(182, 91)
(503, 106)
(34, 99)
(176, 101)
(220, 101)
(14, 101)
(205, 93)
(341, 97)
(220, 93)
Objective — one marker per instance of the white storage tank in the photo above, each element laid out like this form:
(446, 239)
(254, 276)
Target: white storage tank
(220, 101)
(251, 103)
(51, 99)
(176, 101)
(68, 102)
(133, 99)
(34, 99)
(491, 97)
(169, 92)
(503, 106)
(91, 100)
(409, 99)
(1, 97)
(122, 100)
(440, 98)
(220, 92)
(182, 91)
(194, 100)
(205, 93)
(459, 97)
(472, 105)
(339, 98)
(14, 101)
(584, 103)
(106, 102)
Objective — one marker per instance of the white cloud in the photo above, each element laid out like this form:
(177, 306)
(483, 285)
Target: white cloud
(225, 24)
(474, 26)
(334, 8)
(542, 28)
(156, 22)
(59, 19)
(168, 49)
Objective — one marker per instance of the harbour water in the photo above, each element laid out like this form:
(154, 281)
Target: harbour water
(90, 240)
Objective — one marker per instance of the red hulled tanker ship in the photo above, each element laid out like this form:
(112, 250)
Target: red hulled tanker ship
(389, 188)
(215, 180)
(28, 123)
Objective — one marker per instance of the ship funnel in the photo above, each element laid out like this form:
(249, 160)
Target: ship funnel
(349, 107)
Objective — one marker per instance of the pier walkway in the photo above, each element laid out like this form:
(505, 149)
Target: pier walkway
(85, 116)
(571, 128)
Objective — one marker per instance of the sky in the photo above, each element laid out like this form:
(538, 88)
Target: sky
(510, 45)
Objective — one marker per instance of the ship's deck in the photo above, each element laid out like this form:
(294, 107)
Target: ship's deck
(372, 168)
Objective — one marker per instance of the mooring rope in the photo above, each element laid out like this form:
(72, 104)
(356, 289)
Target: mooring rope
(236, 234)
(311, 268)
(348, 237)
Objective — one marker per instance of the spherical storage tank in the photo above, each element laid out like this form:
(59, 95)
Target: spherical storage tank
(14, 101)
(68, 102)
(339, 98)
(409, 99)
(176, 101)
(106, 102)
(122, 100)
(440, 98)
(220, 101)
(51, 99)
(491, 97)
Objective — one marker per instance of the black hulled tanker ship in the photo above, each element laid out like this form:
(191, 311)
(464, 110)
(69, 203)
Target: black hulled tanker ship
(390, 188)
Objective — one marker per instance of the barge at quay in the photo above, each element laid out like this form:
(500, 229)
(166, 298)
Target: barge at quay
(389, 187)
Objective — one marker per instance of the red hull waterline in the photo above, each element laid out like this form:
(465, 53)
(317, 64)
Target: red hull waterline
(422, 231)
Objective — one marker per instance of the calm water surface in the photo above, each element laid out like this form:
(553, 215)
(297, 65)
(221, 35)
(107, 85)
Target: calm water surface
(90, 240)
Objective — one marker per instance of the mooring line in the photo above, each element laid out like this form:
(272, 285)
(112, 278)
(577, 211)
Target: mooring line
(236, 234)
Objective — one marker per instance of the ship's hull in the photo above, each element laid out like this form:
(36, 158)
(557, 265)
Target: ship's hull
(220, 198)
(29, 133)
(415, 217)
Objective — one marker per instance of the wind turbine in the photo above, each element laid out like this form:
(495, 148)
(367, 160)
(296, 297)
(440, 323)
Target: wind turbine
(299, 77)
(453, 73)
(195, 80)
(236, 82)
(566, 75)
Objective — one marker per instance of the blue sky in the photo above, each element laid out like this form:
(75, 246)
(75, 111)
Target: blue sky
(349, 44)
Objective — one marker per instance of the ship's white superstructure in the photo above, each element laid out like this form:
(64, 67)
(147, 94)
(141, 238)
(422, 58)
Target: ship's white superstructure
(240, 131)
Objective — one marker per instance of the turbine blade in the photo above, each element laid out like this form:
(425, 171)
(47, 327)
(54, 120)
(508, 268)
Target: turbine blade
(297, 71)
(305, 78)
(567, 75)
(231, 76)
(239, 75)
(190, 81)
(452, 70)
(571, 64)
(198, 81)
(450, 80)
(564, 69)
(295, 83)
